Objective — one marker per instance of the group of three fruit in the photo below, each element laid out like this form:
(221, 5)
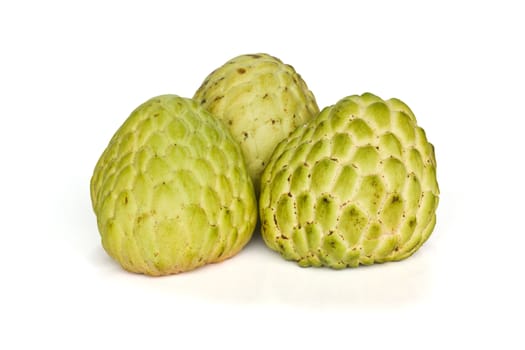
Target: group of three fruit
(182, 181)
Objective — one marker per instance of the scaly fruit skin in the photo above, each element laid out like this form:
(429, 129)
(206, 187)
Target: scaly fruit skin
(356, 185)
(171, 191)
(261, 100)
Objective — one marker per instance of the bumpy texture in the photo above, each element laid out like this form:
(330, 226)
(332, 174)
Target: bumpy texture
(261, 100)
(356, 185)
(171, 191)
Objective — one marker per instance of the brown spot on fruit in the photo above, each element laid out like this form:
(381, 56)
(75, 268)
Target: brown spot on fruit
(241, 70)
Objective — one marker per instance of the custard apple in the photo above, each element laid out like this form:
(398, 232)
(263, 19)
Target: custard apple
(261, 100)
(356, 185)
(171, 191)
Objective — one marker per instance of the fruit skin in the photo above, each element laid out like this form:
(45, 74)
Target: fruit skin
(261, 100)
(356, 185)
(171, 191)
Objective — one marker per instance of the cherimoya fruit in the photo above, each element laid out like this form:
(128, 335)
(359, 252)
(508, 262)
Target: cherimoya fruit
(261, 100)
(356, 185)
(171, 191)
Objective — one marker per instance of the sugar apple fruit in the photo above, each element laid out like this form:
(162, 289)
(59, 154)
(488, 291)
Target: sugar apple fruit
(261, 100)
(171, 191)
(356, 185)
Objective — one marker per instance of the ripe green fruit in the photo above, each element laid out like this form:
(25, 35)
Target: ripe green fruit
(261, 100)
(356, 185)
(171, 191)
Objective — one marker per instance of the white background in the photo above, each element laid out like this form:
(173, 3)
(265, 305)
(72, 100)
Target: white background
(72, 71)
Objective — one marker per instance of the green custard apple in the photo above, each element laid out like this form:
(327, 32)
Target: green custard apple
(261, 100)
(171, 191)
(356, 185)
